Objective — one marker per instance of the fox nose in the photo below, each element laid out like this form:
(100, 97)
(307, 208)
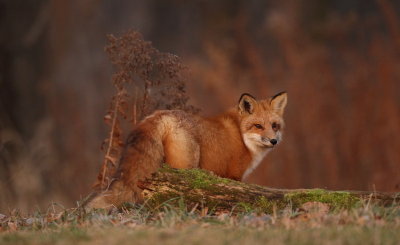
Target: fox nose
(273, 141)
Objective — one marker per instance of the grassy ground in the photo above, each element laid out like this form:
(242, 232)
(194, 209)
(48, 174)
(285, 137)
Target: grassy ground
(312, 223)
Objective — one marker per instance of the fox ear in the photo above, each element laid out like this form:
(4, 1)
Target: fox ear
(278, 102)
(247, 103)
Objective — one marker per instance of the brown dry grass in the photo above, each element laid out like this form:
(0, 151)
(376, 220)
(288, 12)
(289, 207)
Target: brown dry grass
(172, 225)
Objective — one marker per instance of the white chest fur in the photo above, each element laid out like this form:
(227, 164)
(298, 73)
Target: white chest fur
(257, 158)
(257, 153)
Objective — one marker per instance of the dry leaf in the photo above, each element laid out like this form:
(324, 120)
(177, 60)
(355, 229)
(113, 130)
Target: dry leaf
(12, 226)
(315, 207)
(204, 212)
(313, 210)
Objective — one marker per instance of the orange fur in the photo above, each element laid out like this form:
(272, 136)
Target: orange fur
(231, 145)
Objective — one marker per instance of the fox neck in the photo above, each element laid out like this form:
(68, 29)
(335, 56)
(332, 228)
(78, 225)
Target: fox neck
(257, 155)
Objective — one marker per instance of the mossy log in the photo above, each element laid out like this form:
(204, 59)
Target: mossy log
(197, 188)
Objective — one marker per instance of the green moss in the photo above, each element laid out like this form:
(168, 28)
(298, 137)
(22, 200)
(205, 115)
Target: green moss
(262, 205)
(336, 199)
(245, 207)
(265, 205)
(198, 178)
(183, 202)
(207, 181)
(165, 198)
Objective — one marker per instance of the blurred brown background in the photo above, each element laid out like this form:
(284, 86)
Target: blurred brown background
(338, 60)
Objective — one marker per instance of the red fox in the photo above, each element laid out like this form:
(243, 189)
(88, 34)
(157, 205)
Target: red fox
(231, 145)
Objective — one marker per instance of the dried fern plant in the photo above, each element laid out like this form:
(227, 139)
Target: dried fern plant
(145, 80)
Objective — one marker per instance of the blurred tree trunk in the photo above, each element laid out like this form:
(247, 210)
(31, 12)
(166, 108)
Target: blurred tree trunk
(22, 61)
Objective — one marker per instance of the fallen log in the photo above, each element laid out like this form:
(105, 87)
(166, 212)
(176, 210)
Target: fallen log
(198, 188)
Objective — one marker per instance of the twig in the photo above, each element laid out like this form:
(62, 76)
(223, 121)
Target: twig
(111, 138)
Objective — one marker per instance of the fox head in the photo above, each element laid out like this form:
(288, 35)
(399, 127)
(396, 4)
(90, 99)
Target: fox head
(261, 121)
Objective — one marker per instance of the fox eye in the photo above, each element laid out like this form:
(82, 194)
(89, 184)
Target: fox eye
(258, 126)
(275, 126)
